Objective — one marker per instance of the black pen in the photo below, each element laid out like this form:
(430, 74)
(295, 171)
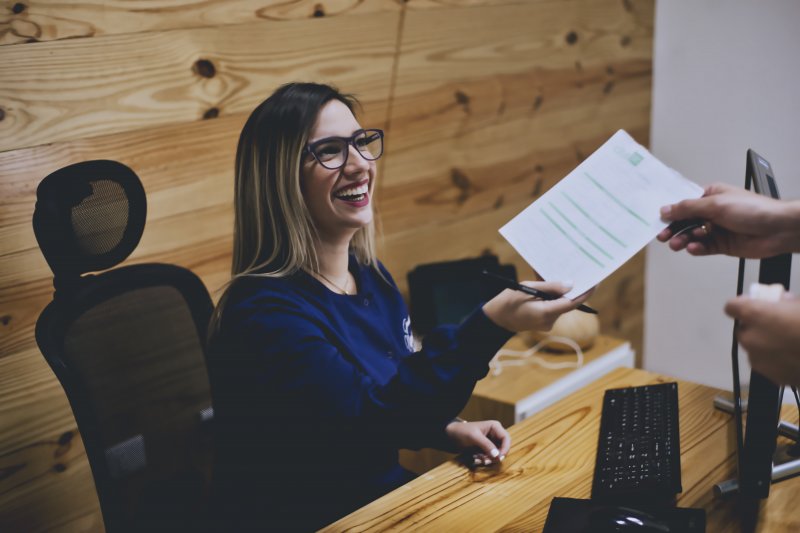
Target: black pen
(511, 284)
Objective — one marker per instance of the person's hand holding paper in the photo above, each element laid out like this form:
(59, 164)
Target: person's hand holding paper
(597, 217)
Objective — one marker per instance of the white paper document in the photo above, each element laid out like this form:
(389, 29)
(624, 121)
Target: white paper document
(597, 217)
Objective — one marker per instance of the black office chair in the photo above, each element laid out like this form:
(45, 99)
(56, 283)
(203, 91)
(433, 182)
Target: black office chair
(127, 346)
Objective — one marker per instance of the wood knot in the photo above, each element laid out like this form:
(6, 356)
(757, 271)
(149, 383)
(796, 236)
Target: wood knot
(462, 183)
(2, 113)
(204, 68)
(571, 38)
(625, 40)
(319, 11)
(5, 320)
(211, 113)
(537, 102)
(460, 179)
(462, 99)
(65, 438)
(18, 8)
(64, 444)
(537, 188)
(59, 467)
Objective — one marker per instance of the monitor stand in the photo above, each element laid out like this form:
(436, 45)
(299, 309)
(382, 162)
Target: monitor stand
(780, 472)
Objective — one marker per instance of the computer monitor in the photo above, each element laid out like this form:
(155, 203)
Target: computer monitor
(757, 447)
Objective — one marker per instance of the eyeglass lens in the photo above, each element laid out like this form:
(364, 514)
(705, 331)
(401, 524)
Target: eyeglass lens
(333, 153)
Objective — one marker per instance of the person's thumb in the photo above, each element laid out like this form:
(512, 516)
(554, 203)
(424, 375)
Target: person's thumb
(684, 210)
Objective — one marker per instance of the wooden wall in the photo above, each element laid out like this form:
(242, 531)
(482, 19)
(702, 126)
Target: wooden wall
(486, 105)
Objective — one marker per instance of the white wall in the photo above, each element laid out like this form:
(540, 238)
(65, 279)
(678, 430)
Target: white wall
(726, 78)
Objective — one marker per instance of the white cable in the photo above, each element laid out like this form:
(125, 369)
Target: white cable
(527, 357)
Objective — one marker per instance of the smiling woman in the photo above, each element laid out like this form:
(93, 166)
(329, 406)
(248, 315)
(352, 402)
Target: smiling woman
(337, 187)
(314, 374)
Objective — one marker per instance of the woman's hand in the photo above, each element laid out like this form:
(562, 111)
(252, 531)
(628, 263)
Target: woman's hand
(487, 440)
(517, 311)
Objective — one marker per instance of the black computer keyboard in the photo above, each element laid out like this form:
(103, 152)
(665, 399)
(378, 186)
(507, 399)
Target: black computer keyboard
(638, 453)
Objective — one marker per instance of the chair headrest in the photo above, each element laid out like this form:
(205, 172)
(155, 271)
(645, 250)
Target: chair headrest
(89, 216)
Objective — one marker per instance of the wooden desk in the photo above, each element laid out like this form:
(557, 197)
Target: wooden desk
(520, 391)
(553, 454)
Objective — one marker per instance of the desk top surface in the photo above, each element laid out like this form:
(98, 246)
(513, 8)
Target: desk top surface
(553, 454)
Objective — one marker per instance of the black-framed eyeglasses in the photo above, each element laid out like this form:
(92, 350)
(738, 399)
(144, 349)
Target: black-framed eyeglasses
(332, 152)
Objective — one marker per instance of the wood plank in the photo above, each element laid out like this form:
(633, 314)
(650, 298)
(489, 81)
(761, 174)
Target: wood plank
(55, 488)
(503, 99)
(88, 87)
(440, 46)
(45, 480)
(34, 408)
(55, 499)
(48, 20)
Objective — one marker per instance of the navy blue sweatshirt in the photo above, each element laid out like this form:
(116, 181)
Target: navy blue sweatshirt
(315, 392)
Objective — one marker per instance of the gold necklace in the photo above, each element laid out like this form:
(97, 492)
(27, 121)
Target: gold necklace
(347, 282)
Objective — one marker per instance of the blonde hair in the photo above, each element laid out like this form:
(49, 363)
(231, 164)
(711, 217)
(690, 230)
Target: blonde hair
(273, 231)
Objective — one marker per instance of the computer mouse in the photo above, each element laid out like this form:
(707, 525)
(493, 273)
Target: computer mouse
(611, 518)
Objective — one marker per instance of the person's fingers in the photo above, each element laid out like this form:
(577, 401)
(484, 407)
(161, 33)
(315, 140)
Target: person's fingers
(665, 234)
(720, 187)
(478, 459)
(560, 288)
(679, 242)
(583, 297)
(746, 310)
(698, 248)
(556, 288)
(556, 308)
(733, 307)
(696, 208)
(500, 436)
(703, 231)
(485, 445)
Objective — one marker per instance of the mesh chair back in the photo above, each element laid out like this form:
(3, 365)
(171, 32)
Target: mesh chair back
(127, 346)
(89, 217)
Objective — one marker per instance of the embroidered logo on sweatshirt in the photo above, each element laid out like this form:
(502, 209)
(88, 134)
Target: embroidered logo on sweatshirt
(408, 336)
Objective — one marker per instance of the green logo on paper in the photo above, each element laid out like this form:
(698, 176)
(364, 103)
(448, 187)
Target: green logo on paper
(635, 158)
